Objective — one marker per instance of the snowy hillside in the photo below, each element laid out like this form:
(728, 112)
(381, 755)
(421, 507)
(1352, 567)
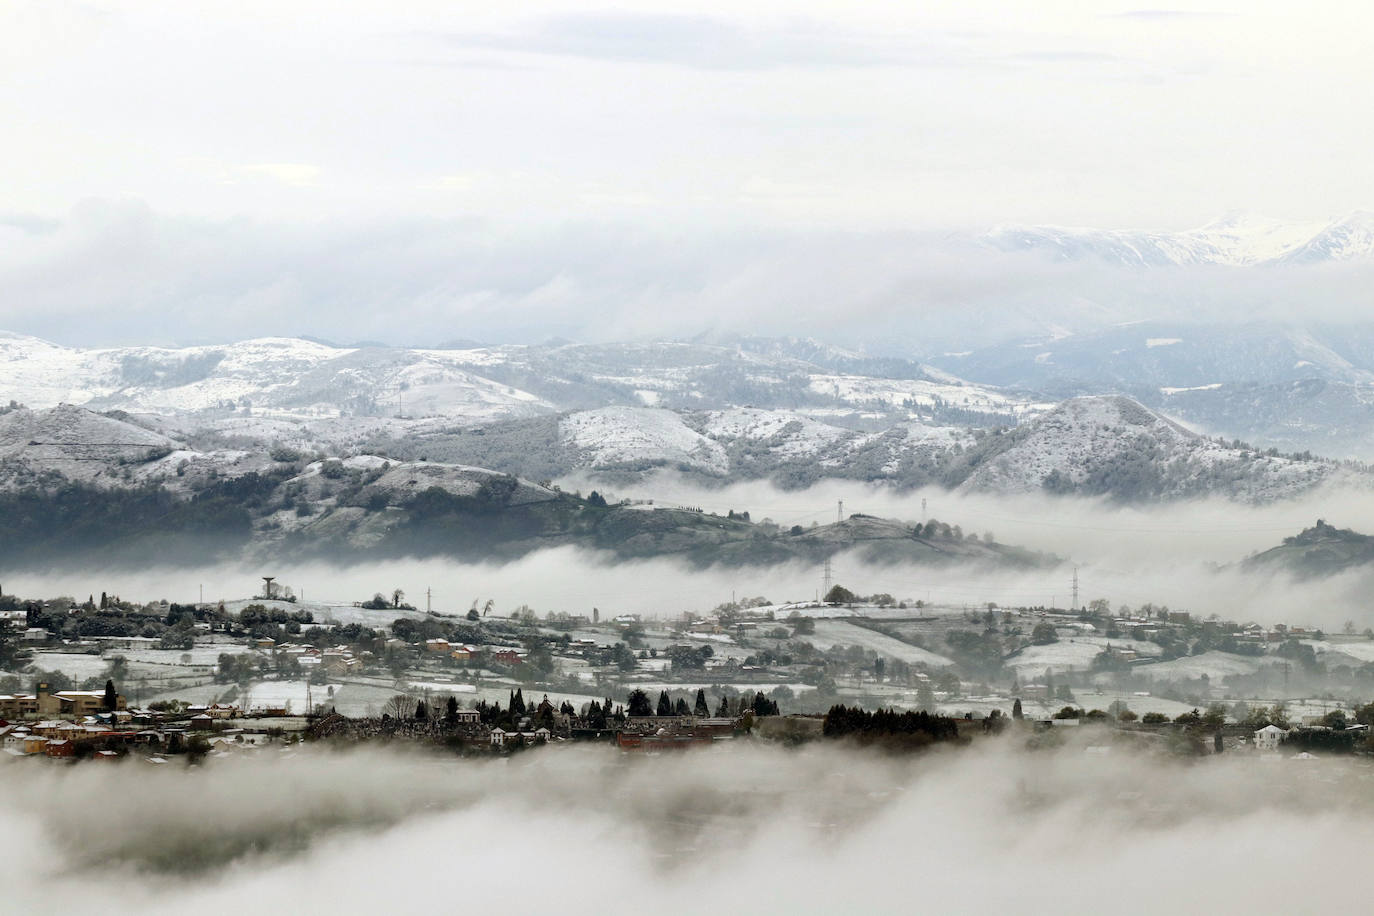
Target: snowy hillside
(271, 376)
(1114, 446)
(630, 438)
(311, 395)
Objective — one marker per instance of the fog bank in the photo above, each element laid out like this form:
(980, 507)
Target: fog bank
(755, 829)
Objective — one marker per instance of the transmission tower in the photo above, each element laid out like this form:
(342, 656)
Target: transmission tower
(1074, 605)
(839, 512)
(826, 579)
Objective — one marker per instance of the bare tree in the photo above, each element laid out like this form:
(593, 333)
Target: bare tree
(400, 706)
(396, 597)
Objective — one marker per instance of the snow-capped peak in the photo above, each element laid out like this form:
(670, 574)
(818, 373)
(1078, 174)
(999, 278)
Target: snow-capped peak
(1236, 239)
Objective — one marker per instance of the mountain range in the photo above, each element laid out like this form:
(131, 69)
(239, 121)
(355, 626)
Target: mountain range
(1236, 240)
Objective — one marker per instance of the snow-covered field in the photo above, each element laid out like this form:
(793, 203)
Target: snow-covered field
(201, 654)
(76, 666)
(842, 633)
(1032, 661)
(1361, 651)
(795, 686)
(1216, 665)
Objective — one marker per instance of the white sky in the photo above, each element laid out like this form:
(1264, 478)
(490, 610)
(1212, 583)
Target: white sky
(263, 118)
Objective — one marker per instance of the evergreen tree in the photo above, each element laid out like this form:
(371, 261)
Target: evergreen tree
(665, 706)
(723, 710)
(1016, 710)
(421, 713)
(702, 710)
(111, 698)
(680, 708)
(638, 704)
(452, 712)
(517, 706)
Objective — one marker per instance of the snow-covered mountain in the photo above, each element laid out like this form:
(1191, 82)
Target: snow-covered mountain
(1101, 446)
(272, 376)
(1235, 240)
(313, 395)
(1114, 446)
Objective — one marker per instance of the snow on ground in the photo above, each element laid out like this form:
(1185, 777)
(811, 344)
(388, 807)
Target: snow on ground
(640, 437)
(76, 666)
(284, 377)
(842, 633)
(860, 390)
(198, 694)
(201, 654)
(1139, 646)
(800, 435)
(290, 694)
(653, 687)
(441, 687)
(1361, 651)
(1085, 433)
(1216, 665)
(1066, 655)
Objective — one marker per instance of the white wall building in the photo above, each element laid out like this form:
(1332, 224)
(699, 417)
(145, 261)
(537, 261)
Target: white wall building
(1269, 738)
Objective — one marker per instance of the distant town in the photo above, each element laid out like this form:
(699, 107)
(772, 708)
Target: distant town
(106, 679)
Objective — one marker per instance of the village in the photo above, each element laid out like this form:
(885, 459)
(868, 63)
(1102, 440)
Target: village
(106, 679)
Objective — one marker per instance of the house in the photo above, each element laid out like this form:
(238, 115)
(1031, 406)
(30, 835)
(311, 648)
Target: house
(1269, 738)
(60, 747)
(74, 702)
(436, 645)
(19, 705)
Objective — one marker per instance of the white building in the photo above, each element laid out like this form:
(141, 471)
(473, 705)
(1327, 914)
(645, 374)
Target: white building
(1269, 738)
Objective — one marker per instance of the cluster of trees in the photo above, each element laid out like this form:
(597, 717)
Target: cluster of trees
(838, 594)
(260, 620)
(639, 704)
(689, 658)
(379, 602)
(887, 727)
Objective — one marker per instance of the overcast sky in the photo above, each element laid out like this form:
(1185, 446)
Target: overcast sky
(186, 171)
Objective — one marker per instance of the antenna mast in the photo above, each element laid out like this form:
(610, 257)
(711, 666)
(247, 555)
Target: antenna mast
(1074, 606)
(826, 579)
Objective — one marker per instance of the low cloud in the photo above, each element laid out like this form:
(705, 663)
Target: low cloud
(581, 830)
(1184, 555)
(113, 273)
